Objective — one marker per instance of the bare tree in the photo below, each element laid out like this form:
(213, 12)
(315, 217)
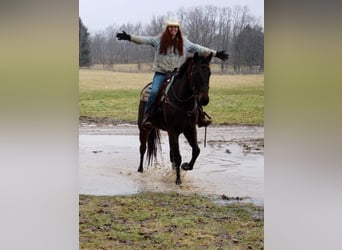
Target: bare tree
(155, 26)
(218, 28)
(241, 18)
(98, 49)
(111, 45)
(200, 24)
(224, 32)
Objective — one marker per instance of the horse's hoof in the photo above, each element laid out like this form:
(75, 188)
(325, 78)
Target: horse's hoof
(140, 170)
(185, 166)
(178, 182)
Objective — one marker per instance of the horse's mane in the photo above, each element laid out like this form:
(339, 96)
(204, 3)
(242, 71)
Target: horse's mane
(184, 66)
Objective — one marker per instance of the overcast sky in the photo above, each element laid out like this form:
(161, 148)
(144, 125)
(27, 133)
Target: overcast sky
(99, 14)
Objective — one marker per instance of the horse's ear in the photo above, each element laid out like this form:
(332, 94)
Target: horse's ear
(196, 56)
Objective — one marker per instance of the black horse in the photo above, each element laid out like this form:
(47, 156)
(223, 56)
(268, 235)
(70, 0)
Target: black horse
(176, 113)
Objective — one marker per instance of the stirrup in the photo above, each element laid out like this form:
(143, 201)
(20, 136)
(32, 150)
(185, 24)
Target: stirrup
(202, 122)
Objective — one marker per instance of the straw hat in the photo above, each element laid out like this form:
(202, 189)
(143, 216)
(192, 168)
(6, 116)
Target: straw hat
(172, 21)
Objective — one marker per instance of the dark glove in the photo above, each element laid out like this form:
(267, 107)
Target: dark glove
(222, 55)
(123, 36)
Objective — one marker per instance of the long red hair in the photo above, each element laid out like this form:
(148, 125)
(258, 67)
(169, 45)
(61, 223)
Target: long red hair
(166, 42)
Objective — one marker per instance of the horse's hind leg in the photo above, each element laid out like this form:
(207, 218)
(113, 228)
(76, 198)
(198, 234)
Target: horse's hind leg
(143, 139)
(191, 136)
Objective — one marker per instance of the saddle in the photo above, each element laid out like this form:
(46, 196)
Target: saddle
(145, 92)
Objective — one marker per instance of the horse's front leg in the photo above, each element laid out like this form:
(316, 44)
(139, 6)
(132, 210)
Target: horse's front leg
(175, 156)
(191, 136)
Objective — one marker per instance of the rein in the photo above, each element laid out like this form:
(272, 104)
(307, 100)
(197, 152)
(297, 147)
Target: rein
(177, 107)
(190, 72)
(188, 113)
(178, 99)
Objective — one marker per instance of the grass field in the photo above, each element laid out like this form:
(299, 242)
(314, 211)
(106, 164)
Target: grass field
(168, 221)
(234, 99)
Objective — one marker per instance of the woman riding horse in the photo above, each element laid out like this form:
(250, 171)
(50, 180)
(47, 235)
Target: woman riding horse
(177, 114)
(169, 55)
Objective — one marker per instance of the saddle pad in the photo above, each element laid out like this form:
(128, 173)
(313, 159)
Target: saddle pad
(145, 93)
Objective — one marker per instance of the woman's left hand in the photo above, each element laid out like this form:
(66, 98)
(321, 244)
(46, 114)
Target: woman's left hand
(222, 55)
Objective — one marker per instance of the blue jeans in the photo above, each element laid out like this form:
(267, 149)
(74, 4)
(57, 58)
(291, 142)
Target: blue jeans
(158, 80)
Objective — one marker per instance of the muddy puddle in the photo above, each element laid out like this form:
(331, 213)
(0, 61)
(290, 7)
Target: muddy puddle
(231, 165)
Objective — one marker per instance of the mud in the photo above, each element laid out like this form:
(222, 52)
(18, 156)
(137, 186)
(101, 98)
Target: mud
(231, 165)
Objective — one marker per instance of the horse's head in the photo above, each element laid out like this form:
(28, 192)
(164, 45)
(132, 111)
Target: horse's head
(199, 77)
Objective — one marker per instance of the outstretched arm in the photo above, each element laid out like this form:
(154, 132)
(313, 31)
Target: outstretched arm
(192, 48)
(148, 40)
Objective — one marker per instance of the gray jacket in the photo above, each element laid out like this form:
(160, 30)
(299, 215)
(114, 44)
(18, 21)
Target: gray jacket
(167, 63)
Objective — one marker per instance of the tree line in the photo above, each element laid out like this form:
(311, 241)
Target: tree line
(232, 29)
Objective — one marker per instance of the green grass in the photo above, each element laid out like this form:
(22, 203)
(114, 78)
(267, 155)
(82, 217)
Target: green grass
(238, 105)
(113, 104)
(168, 221)
(234, 99)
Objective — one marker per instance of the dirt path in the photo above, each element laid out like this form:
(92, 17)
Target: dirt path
(232, 163)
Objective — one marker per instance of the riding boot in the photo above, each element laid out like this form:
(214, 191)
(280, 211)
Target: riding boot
(202, 121)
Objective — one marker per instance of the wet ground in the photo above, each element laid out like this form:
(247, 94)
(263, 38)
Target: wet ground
(230, 166)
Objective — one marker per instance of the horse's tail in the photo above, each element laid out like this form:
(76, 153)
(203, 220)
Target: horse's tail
(153, 143)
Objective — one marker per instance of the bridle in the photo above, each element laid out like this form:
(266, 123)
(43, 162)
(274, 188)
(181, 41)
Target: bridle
(194, 86)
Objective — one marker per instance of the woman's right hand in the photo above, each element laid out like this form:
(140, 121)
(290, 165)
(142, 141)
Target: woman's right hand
(123, 36)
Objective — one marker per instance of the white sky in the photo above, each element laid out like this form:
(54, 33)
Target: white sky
(99, 14)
